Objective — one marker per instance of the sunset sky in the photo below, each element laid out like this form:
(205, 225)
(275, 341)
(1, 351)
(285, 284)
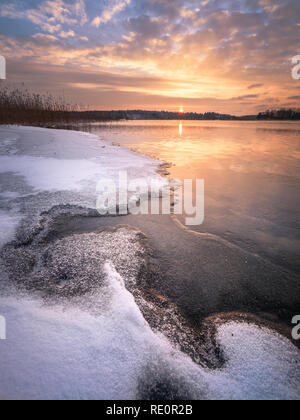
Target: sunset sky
(205, 55)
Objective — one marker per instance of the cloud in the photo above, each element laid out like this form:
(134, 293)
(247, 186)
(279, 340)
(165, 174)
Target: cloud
(80, 11)
(49, 15)
(46, 37)
(108, 14)
(219, 50)
(255, 86)
(69, 34)
(245, 97)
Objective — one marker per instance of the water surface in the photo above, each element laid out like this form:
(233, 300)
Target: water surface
(251, 172)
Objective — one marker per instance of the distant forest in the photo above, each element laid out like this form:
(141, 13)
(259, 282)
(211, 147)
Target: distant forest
(280, 114)
(19, 106)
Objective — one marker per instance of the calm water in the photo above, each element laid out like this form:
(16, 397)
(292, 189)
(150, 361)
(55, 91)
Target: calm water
(251, 172)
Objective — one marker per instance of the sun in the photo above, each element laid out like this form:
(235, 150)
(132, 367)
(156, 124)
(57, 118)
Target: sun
(181, 110)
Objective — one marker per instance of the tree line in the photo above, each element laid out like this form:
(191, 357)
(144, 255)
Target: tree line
(20, 106)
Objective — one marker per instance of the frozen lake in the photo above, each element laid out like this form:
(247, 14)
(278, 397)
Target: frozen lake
(251, 172)
(131, 306)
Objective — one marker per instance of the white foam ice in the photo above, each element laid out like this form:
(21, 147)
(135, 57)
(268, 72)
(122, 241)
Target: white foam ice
(8, 195)
(55, 353)
(71, 354)
(261, 364)
(48, 174)
(67, 353)
(36, 160)
(75, 156)
(61, 160)
(8, 226)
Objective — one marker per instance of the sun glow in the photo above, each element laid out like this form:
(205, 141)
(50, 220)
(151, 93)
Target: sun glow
(180, 129)
(181, 110)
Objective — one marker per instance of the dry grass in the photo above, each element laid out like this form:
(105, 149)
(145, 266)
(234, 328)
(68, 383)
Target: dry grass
(20, 106)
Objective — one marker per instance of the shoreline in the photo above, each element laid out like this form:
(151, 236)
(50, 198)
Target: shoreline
(259, 316)
(158, 288)
(162, 171)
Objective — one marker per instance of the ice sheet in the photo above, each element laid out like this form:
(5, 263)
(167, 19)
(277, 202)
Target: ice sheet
(55, 353)
(261, 365)
(71, 354)
(8, 226)
(65, 165)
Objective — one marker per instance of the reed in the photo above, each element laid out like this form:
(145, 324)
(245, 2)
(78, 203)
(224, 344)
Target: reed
(20, 106)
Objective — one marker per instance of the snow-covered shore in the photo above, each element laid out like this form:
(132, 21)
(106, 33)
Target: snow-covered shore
(98, 345)
(52, 167)
(54, 353)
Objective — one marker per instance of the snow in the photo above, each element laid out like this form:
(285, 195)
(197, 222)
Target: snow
(34, 161)
(8, 227)
(48, 174)
(261, 365)
(71, 354)
(59, 159)
(67, 353)
(56, 351)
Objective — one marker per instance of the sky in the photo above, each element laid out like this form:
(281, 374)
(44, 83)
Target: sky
(224, 56)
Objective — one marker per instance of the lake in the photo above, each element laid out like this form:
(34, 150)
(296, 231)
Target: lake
(142, 306)
(251, 172)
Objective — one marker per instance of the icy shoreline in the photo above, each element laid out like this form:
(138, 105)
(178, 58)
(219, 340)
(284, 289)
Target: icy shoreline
(41, 168)
(100, 346)
(70, 354)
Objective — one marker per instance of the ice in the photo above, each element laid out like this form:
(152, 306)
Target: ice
(47, 174)
(52, 167)
(71, 354)
(67, 353)
(58, 351)
(8, 226)
(261, 365)
(62, 160)
(8, 195)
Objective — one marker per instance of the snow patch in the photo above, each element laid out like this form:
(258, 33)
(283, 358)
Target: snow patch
(56, 353)
(8, 227)
(261, 365)
(52, 353)
(64, 167)
(48, 174)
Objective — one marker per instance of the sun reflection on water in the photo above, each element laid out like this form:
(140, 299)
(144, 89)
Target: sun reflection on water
(180, 129)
